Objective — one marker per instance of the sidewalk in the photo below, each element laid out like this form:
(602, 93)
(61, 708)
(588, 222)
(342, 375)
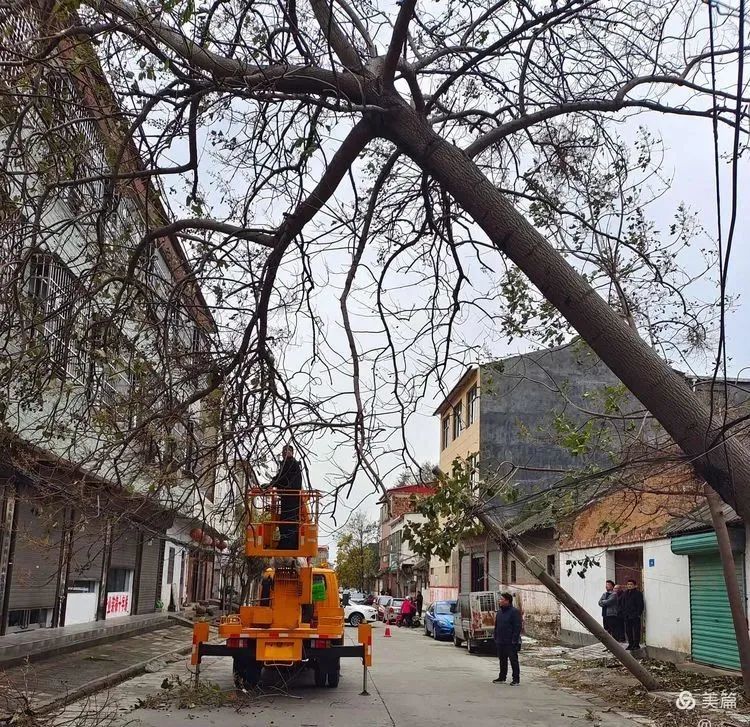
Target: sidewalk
(59, 677)
(18, 647)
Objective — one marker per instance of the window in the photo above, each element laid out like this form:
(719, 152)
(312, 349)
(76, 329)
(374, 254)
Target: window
(458, 423)
(52, 287)
(445, 434)
(472, 401)
(118, 580)
(473, 465)
(82, 587)
(170, 565)
(551, 565)
(447, 569)
(29, 618)
(513, 571)
(432, 571)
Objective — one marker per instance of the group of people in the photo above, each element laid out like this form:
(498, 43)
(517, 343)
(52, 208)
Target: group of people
(622, 612)
(409, 608)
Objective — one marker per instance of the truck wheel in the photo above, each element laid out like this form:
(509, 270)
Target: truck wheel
(457, 642)
(334, 674)
(320, 675)
(246, 673)
(470, 647)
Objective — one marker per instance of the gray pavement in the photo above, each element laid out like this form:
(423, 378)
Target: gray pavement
(46, 680)
(414, 681)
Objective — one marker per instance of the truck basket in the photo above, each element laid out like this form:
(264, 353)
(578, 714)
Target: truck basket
(282, 523)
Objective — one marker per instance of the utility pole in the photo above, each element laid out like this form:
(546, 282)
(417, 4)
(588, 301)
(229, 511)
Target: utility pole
(536, 569)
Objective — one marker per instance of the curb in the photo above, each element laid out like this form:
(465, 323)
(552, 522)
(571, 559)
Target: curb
(107, 681)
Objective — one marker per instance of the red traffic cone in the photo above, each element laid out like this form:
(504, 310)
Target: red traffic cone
(387, 633)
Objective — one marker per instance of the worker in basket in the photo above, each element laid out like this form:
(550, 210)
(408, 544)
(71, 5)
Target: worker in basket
(288, 480)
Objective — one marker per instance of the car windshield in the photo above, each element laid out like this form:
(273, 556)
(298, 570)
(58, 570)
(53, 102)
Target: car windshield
(442, 608)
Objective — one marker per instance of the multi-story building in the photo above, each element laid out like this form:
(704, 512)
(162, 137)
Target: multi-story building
(402, 571)
(506, 421)
(108, 447)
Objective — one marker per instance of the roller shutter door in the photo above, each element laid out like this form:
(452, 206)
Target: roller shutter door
(711, 626)
(36, 557)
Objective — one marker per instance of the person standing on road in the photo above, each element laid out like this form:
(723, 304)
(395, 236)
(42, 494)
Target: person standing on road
(610, 608)
(406, 612)
(631, 608)
(508, 639)
(420, 602)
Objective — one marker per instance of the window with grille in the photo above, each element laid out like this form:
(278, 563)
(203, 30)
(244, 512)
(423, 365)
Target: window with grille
(487, 602)
(17, 33)
(11, 234)
(53, 290)
(445, 433)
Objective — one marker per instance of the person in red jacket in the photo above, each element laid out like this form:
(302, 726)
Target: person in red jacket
(407, 612)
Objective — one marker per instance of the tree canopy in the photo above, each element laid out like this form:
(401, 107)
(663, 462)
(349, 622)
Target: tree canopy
(371, 194)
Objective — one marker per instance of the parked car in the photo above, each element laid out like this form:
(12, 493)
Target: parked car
(381, 603)
(356, 596)
(356, 613)
(438, 620)
(474, 620)
(393, 610)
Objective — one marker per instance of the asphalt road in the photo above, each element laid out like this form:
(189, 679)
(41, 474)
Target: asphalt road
(414, 681)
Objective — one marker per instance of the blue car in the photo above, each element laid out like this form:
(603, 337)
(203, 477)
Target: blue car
(438, 620)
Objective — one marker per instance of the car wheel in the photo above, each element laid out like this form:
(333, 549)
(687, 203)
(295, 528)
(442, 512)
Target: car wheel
(426, 630)
(457, 642)
(356, 619)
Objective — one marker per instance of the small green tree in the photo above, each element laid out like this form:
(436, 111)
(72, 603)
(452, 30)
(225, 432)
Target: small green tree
(408, 476)
(450, 514)
(357, 552)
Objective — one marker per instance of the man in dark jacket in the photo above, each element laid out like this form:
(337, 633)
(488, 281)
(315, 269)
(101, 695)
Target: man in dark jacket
(508, 639)
(631, 610)
(289, 481)
(420, 602)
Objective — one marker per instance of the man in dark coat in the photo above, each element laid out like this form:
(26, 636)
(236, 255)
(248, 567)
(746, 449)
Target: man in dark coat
(631, 610)
(508, 639)
(289, 481)
(420, 602)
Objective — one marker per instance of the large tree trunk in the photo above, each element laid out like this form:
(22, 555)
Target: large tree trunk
(660, 389)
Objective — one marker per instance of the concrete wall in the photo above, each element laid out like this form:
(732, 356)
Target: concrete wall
(666, 589)
(520, 398)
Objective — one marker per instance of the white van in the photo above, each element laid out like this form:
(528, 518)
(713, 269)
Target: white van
(474, 620)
